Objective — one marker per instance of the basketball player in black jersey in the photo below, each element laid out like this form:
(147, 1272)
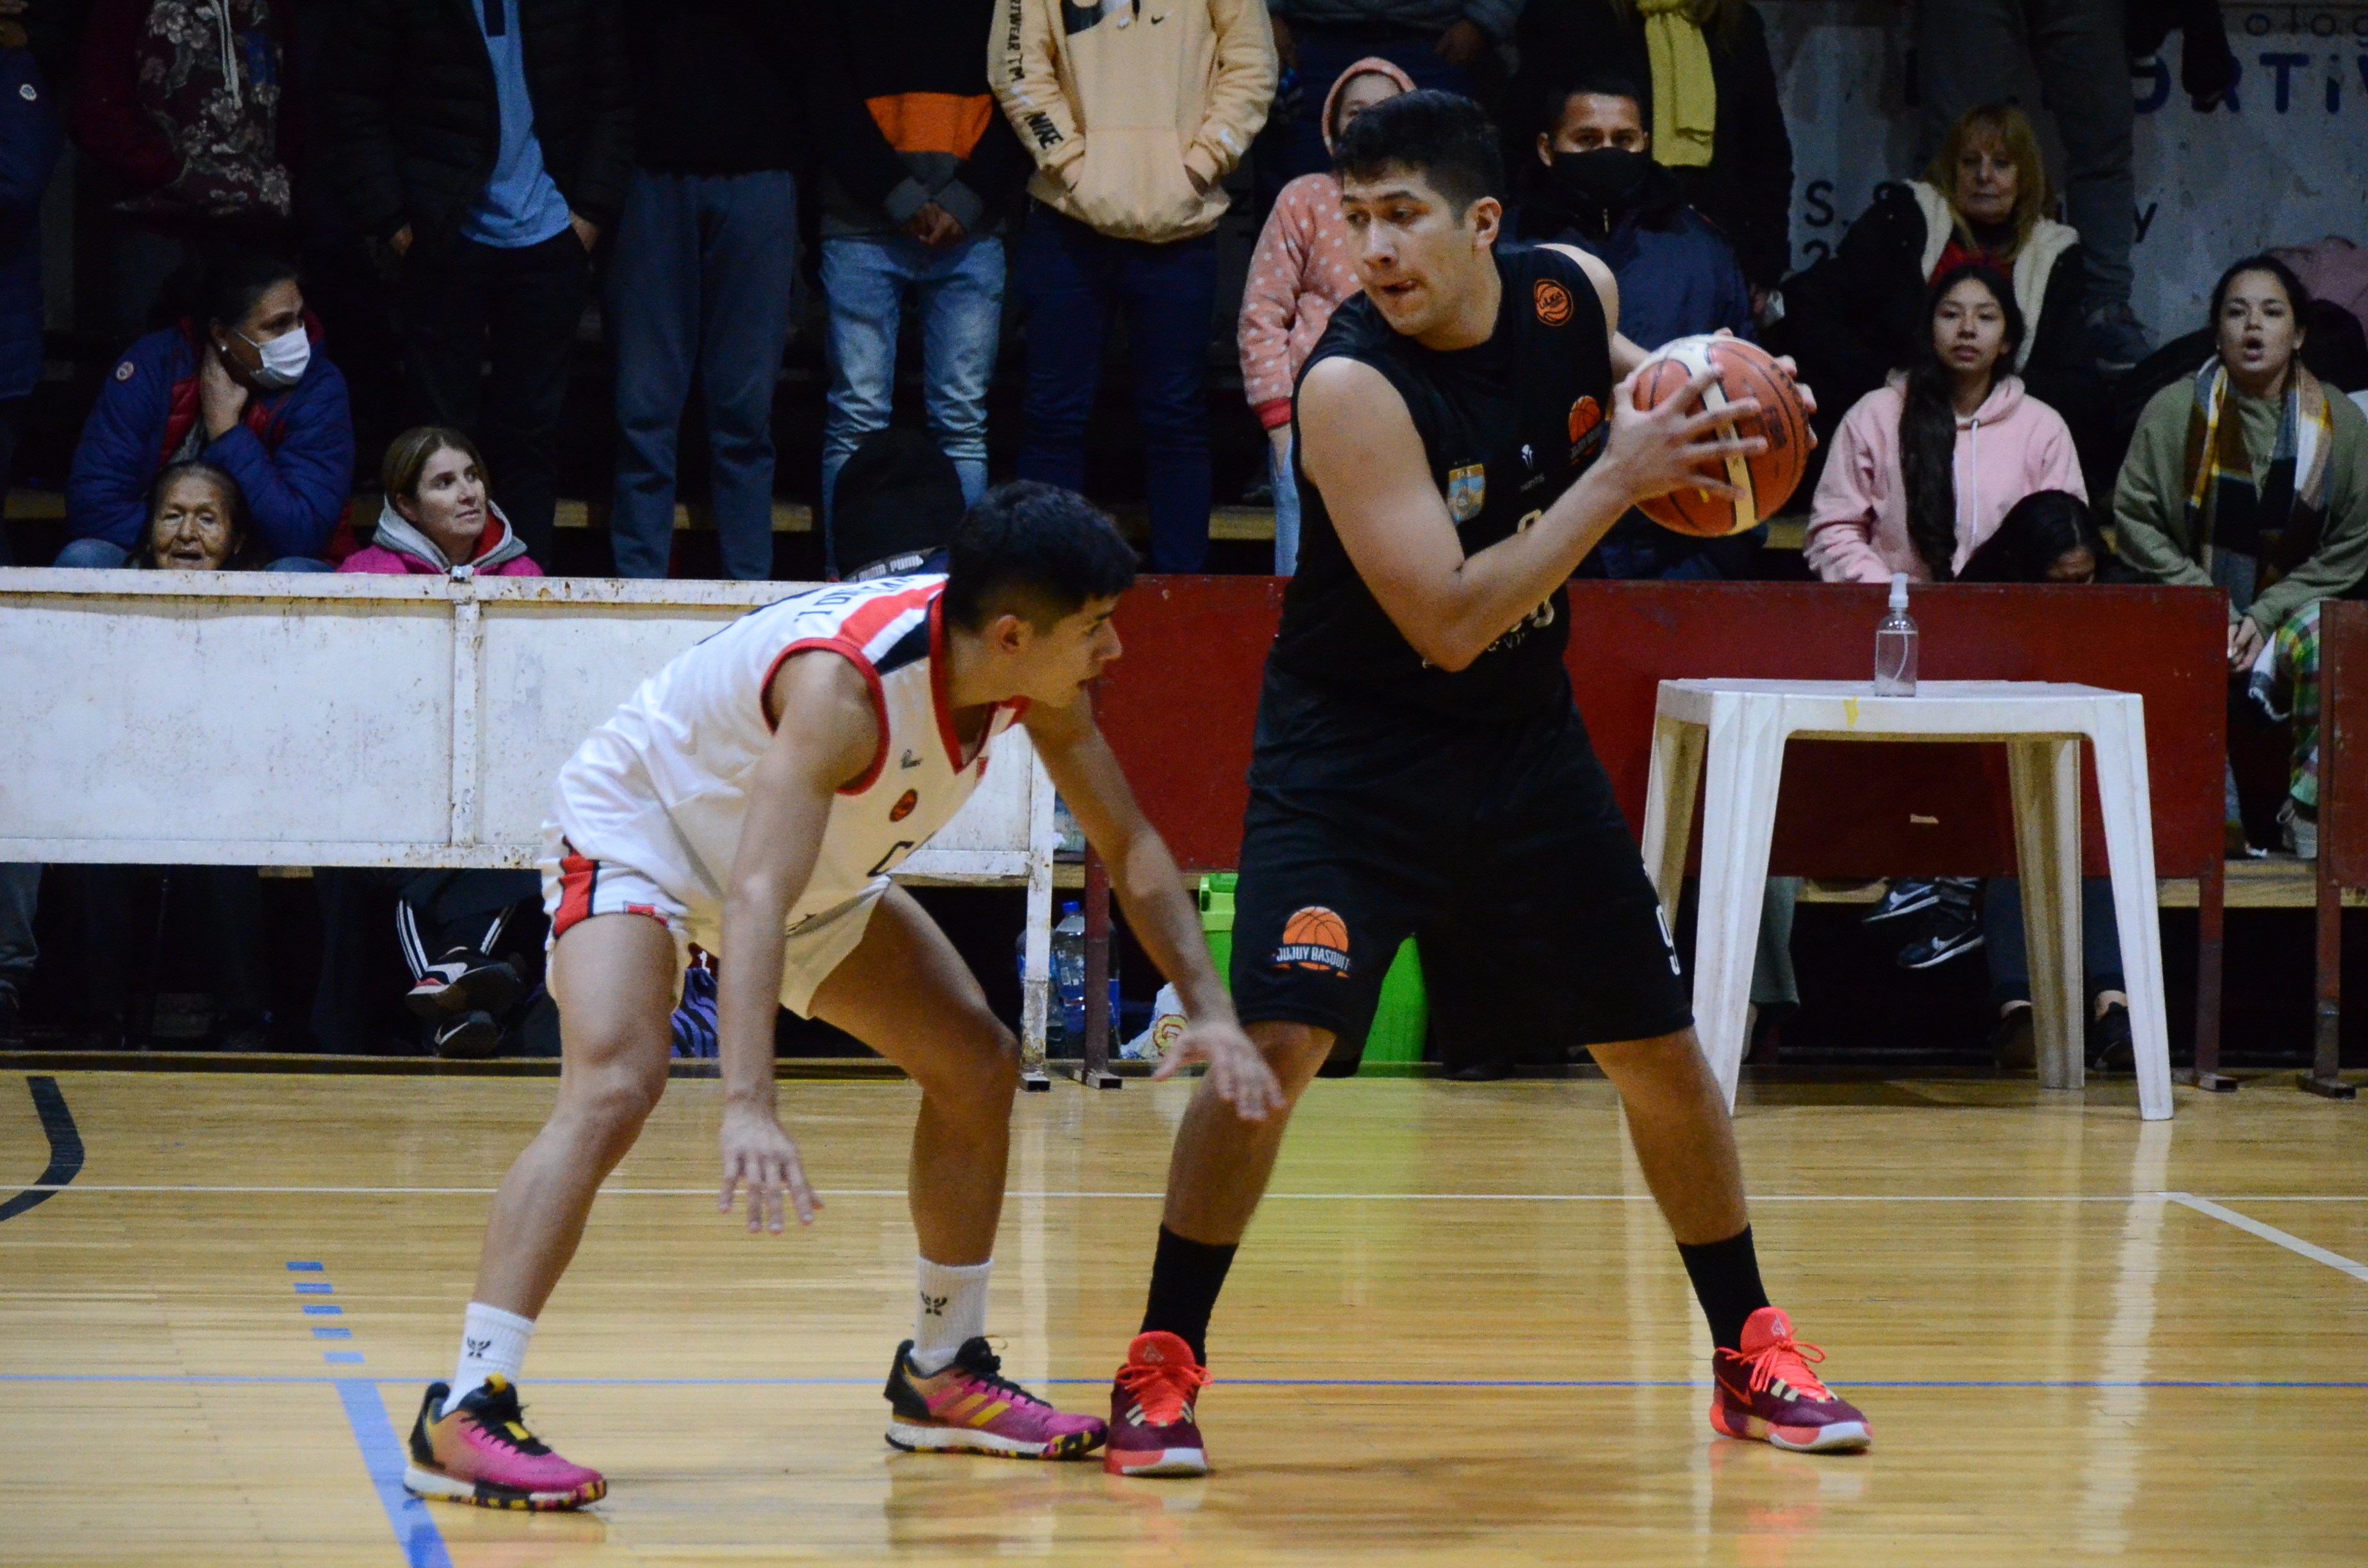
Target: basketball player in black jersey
(1421, 767)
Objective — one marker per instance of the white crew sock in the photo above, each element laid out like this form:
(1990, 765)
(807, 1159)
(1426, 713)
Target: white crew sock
(950, 1313)
(491, 1341)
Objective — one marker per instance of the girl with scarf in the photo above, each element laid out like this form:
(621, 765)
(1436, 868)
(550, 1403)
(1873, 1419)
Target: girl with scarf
(2252, 478)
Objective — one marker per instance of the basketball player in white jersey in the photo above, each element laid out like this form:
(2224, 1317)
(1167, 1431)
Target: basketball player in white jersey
(752, 797)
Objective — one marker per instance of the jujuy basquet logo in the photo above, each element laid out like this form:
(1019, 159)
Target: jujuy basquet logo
(1314, 939)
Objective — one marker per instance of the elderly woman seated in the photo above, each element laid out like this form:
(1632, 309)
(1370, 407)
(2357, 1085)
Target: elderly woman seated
(197, 522)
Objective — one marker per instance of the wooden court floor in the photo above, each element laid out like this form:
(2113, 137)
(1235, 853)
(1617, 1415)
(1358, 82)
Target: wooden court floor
(1458, 1334)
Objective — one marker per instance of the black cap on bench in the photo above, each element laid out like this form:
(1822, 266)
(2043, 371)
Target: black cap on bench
(899, 500)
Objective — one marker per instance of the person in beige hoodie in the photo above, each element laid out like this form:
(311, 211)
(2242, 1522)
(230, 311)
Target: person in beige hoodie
(1135, 110)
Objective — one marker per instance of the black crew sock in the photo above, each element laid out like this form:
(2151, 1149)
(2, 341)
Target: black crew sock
(1185, 1279)
(1726, 1282)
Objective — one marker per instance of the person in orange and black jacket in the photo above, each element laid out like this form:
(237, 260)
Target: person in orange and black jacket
(919, 170)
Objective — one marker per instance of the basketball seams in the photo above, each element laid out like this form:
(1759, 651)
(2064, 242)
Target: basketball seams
(1764, 482)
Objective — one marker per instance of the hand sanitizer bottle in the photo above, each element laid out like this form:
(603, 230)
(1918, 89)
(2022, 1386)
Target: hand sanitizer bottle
(1894, 646)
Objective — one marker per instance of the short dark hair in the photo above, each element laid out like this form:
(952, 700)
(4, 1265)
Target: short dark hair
(1443, 136)
(1588, 82)
(2296, 295)
(236, 278)
(1036, 551)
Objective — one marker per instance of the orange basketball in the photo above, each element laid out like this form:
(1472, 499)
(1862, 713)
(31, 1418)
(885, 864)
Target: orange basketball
(1766, 479)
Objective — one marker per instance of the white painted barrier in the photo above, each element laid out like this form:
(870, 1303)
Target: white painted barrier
(260, 719)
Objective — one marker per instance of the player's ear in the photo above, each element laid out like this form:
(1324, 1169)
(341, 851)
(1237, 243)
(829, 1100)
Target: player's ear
(1011, 633)
(1546, 149)
(1487, 220)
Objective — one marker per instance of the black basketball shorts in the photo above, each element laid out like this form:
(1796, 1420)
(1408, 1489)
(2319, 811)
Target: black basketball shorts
(1499, 846)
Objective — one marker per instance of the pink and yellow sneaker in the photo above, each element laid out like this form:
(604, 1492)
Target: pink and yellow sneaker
(970, 1408)
(482, 1453)
(1154, 1430)
(1767, 1393)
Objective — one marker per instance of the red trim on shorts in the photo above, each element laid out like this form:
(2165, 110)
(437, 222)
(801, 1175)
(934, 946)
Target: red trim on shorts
(853, 655)
(577, 876)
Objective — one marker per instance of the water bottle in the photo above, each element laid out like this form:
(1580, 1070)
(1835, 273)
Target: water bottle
(1069, 973)
(1894, 646)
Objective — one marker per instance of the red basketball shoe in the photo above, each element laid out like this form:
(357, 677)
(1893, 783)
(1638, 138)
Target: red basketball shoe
(1151, 1430)
(1766, 1391)
(482, 1453)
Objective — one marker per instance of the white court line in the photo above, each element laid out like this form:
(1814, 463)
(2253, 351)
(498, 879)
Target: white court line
(2335, 1260)
(899, 1192)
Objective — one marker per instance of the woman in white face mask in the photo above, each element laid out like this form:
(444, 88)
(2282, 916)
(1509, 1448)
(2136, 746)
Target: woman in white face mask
(259, 345)
(240, 384)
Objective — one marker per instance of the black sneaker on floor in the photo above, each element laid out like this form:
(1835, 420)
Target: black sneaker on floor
(2112, 1048)
(1903, 898)
(465, 980)
(471, 1037)
(2015, 1042)
(1952, 931)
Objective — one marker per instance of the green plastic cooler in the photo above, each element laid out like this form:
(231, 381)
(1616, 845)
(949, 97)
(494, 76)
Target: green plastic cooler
(1402, 1017)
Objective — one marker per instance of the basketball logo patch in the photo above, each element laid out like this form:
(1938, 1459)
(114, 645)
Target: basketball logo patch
(904, 807)
(1314, 939)
(1587, 431)
(1553, 301)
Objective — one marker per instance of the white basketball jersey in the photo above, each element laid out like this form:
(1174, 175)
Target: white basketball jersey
(663, 786)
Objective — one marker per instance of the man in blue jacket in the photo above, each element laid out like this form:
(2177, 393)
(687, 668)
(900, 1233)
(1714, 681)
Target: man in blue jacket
(1595, 186)
(248, 392)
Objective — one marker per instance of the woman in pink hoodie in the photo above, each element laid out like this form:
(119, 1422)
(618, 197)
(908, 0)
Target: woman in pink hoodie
(1299, 275)
(438, 513)
(1926, 466)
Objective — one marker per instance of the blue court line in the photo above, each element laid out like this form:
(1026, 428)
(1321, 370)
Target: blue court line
(323, 1309)
(414, 1529)
(304, 1268)
(305, 1289)
(1539, 1383)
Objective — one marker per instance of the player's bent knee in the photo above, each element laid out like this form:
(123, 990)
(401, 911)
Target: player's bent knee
(980, 1065)
(1293, 1051)
(609, 1108)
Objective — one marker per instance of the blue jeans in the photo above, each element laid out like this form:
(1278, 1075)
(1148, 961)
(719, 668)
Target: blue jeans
(2100, 939)
(99, 553)
(700, 284)
(867, 280)
(1286, 508)
(1072, 279)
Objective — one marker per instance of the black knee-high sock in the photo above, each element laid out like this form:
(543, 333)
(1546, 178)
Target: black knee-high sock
(1726, 1282)
(1185, 1279)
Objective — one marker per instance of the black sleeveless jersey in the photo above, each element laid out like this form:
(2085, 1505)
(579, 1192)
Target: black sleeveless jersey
(1507, 425)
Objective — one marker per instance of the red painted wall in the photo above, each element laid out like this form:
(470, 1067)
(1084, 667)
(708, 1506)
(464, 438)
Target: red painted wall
(1178, 705)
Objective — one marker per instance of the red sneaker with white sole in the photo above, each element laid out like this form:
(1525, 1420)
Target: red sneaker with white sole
(1767, 1393)
(1152, 1430)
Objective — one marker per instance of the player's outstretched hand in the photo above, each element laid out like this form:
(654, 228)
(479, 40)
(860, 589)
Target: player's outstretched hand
(1664, 448)
(1237, 1070)
(755, 1151)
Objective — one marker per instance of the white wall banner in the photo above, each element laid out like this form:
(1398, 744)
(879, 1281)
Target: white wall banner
(2284, 162)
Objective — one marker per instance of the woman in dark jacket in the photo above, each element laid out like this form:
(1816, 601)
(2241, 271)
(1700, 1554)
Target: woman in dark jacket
(1857, 315)
(1736, 169)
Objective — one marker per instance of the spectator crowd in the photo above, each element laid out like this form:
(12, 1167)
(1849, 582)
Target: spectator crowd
(327, 222)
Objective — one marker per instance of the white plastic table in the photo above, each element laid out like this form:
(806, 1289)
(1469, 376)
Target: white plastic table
(1743, 725)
